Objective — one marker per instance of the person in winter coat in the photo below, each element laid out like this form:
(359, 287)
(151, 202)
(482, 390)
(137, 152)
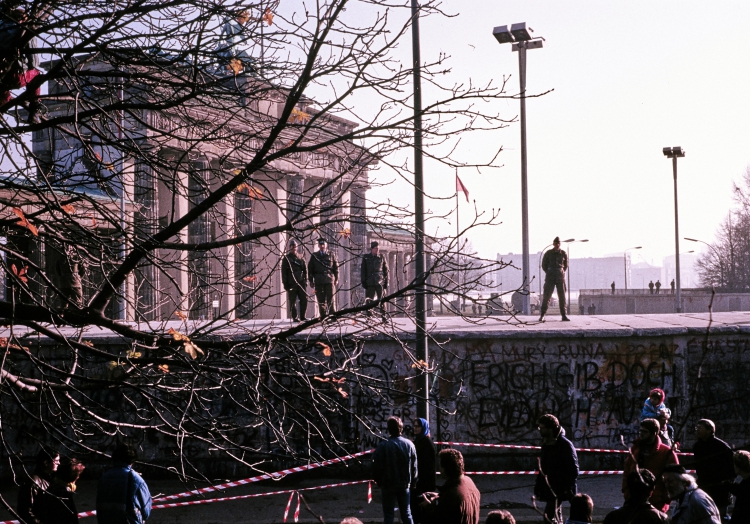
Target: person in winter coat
(459, 499)
(654, 404)
(294, 279)
(637, 509)
(394, 468)
(556, 481)
(693, 506)
(122, 495)
(323, 272)
(34, 497)
(714, 464)
(648, 452)
(425, 465)
(62, 509)
(741, 491)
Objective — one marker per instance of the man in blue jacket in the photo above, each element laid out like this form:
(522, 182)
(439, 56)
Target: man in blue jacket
(394, 468)
(122, 496)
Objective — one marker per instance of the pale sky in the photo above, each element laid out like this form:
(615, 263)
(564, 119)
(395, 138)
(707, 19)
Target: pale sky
(629, 78)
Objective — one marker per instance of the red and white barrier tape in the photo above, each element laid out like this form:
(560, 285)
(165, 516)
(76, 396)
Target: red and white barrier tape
(289, 503)
(266, 476)
(250, 496)
(369, 492)
(518, 446)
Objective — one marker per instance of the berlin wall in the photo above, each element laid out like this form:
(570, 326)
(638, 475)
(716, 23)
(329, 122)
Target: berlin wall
(489, 385)
(493, 386)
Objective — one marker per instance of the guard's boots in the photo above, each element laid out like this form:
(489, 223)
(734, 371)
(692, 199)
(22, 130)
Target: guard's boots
(564, 316)
(544, 312)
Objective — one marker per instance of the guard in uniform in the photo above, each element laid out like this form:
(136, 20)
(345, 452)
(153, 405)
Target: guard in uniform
(374, 276)
(554, 265)
(323, 270)
(294, 277)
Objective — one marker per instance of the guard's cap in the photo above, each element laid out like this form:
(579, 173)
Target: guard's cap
(373, 244)
(292, 242)
(556, 240)
(678, 469)
(322, 240)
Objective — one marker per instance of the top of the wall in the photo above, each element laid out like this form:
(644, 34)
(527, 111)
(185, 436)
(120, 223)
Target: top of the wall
(454, 328)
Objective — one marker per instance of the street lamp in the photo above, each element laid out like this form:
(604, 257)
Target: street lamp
(721, 264)
(520, 36)
(625, 261)
(674, 153)
(569, 259)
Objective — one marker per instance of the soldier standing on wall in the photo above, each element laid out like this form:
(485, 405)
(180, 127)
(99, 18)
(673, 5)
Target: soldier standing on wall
(613, 287)
(323, 271)
(293, 277)
(651, 287)
(671, 284)
(554, 265)
(658, 286)
(374, 276)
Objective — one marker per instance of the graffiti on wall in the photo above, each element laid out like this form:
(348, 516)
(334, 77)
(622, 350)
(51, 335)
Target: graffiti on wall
(494, 390)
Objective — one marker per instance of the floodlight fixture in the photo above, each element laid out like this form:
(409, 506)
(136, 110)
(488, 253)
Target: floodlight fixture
(673, 152)
(520, 32)
(503, 35)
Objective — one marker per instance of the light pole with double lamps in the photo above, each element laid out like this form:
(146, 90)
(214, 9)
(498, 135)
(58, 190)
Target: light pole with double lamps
(520, 36)
(674, 153)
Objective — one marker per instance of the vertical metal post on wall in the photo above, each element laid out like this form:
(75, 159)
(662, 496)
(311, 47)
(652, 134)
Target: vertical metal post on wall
(524, 182)
(422, 386)
(676, 238)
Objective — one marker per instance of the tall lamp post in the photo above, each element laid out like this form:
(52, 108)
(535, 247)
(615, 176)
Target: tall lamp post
(568, 242)
(625, 261)
(519, 35)
(718, 257)
(674, 153)
(420, 303)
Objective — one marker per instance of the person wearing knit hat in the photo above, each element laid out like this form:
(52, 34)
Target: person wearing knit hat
(554, 265)
(426, 478)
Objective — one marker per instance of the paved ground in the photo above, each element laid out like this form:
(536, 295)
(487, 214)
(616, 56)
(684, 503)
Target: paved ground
(511, 493)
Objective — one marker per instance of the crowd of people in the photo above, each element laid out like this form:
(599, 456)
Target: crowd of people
(48, 497)
(653, 478)
(405, 471)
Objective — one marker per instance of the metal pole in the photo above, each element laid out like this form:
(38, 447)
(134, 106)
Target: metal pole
(625, 263)
(422, 380)
(568, 270)
(458, 256)
(524, 184)
(676, 237)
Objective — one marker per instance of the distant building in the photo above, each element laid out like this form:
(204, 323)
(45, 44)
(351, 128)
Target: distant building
(688, 274)
(585, 273)
(642, 273)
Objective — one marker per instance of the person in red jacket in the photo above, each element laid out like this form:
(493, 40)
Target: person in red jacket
(648, 452)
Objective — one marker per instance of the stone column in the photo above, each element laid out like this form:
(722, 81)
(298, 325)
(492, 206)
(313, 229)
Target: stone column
(199, 272)
(357, 240)
(244, 269)
(146, 214)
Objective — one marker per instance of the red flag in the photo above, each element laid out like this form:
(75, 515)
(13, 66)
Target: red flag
(461, 187)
